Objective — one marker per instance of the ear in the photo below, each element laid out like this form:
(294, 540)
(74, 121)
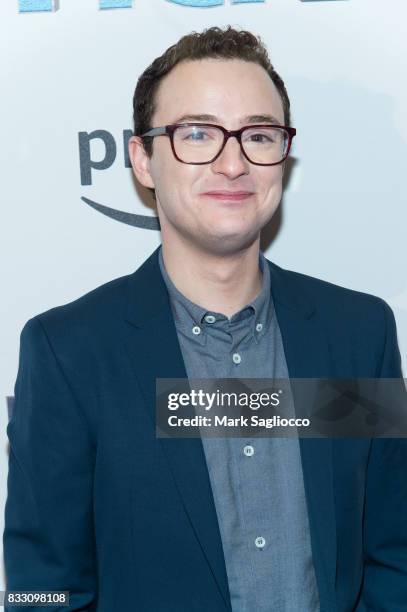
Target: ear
(140, 161)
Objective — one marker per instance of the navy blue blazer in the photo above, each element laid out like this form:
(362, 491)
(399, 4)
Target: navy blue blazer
(126, 522)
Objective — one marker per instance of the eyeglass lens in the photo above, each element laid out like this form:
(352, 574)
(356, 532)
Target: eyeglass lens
(200, 144)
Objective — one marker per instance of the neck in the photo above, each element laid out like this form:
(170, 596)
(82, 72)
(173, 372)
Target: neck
(219, 282)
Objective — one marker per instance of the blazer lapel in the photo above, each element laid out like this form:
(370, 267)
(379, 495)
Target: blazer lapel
(307, 354)
(154, 350)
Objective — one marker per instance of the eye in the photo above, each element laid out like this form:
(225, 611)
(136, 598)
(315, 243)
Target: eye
(196, 135)
(260, 137)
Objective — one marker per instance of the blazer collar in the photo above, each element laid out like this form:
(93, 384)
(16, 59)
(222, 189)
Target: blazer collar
(145, 304)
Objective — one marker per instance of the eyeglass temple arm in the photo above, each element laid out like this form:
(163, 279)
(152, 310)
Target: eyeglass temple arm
(158, 131)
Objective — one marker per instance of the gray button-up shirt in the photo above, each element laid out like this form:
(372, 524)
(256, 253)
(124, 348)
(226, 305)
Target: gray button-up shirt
(257, 484)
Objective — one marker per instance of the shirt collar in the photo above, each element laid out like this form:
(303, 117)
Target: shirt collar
(188, 315)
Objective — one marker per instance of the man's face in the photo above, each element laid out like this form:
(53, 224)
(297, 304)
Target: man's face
(230, 92)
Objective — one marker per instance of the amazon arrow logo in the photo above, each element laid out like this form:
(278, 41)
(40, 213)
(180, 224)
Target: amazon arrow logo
(88, 164)
(143, 221)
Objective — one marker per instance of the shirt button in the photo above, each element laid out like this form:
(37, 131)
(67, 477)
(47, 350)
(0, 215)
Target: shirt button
(210, 318)
(259, 327)
(236, 358)
(196, 330)
(248, 450)
(260, 542)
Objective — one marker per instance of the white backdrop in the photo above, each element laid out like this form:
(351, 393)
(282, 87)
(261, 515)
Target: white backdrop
(343, 216)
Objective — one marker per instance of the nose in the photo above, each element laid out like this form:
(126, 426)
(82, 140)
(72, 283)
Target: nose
(231, 162)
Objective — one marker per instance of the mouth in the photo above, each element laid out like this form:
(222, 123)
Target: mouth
(228, 195)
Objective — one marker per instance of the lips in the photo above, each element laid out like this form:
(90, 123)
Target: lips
(228, 195)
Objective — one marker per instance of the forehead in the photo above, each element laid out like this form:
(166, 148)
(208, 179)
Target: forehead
(214, 87)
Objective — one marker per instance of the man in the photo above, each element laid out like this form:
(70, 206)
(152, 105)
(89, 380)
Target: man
(99, 506)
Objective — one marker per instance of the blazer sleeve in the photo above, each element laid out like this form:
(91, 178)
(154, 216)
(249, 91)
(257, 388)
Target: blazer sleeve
(48, 537)
(385, 520)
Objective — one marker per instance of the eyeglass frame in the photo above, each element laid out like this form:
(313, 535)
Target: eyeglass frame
(168, 130)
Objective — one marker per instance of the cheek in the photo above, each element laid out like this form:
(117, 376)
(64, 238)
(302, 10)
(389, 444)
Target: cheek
(270, 183)
(177, 186)
(163, 165)
(185, 181)
(170, 174)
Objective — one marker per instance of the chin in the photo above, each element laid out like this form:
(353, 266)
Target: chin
(227, 243)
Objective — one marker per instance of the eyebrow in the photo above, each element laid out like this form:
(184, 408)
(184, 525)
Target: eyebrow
(266, 118)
